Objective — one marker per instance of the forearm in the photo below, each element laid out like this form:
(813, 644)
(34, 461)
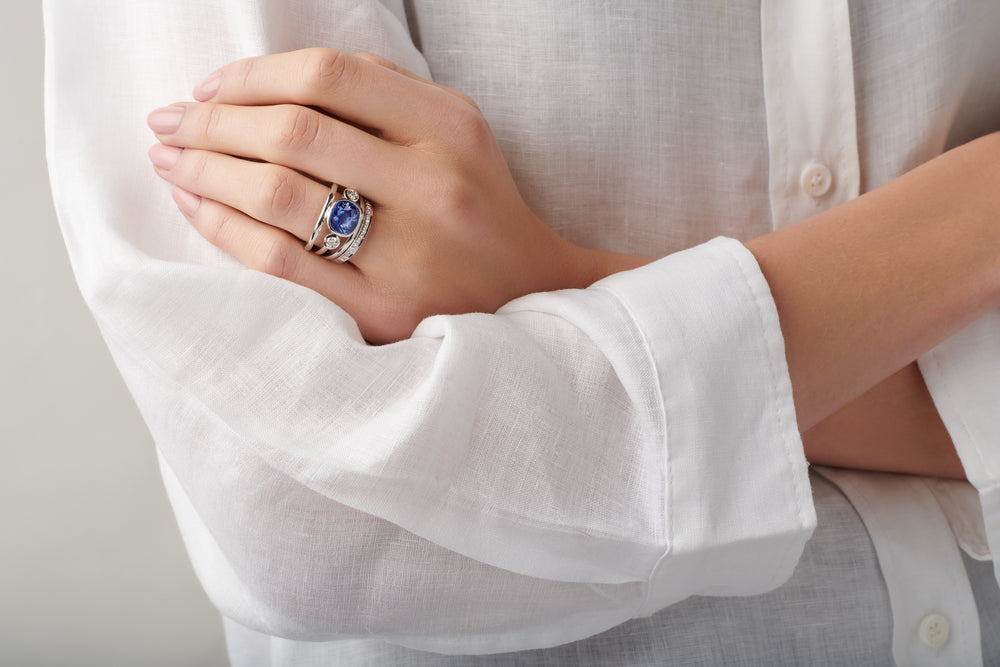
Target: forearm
(893, 427)
(865, 288)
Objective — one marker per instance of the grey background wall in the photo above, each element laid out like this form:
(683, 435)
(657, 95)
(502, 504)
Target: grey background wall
(92, 569)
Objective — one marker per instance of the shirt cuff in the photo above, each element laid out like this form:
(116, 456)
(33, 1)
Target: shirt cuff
(712, 331)
(963, 376)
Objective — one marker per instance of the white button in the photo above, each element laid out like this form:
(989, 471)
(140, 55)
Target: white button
(816, 179)
(934, 630)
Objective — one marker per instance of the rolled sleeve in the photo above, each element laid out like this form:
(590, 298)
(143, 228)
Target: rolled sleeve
(738, 502)
(963, 376)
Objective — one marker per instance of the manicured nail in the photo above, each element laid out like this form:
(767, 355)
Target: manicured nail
(187, 202)
(207, 89)
(164, 157)
(165, 120)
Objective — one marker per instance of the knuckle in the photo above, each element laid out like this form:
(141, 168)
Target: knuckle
(324, 68)
(296, 128)
(195, 166)
(466, 123)
(280, 195)
(468, 100)
(278, 259)
(452, 196)
(216, 226)
(211, 121)
(245, 71)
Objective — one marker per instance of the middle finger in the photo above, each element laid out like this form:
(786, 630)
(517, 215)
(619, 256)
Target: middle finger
(290, 135)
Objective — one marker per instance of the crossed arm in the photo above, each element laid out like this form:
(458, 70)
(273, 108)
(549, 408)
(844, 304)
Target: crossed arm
(861, 290)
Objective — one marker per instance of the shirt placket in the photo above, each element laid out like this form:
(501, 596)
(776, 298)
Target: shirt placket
(808, 75)
(809, 92)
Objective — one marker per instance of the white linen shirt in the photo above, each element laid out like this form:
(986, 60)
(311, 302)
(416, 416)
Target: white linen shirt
(580, 458)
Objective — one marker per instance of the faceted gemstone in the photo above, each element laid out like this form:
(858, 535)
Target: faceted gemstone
(331, 242)
(344, 217)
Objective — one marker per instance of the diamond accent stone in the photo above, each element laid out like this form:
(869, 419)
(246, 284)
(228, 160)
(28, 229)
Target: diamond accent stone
(352, 195)
(331, 242)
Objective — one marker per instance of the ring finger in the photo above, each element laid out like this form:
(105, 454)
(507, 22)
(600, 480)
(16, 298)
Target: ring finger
(276, 195)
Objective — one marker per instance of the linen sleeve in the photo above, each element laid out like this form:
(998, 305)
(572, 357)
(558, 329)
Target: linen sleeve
(496, 482)
(963, 376)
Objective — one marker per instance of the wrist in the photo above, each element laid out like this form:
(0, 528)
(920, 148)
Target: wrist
(592, 264)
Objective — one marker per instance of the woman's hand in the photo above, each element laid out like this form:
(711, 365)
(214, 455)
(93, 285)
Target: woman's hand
(254, 158)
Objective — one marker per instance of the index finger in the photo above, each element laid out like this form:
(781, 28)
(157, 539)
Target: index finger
(403, 109)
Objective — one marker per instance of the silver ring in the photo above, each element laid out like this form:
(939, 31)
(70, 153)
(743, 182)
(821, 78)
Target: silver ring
(348, 217)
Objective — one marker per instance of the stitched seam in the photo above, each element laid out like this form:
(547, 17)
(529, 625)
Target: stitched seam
(776, 379)
(666, 470)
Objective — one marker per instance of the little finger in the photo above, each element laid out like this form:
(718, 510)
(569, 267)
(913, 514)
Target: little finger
(267, 249)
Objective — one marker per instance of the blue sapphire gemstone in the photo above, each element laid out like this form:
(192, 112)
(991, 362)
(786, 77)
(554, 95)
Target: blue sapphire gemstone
(344, 217)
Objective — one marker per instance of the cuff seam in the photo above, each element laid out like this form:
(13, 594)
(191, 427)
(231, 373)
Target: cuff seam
(774, 346)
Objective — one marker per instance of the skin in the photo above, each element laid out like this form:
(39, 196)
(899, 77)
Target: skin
(893, 427)
(451, 225)
(861, 290)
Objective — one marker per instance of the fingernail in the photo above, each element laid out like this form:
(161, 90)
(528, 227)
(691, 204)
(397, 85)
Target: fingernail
(164, 157)
(165, 120)
(207, 89)
(186, 201)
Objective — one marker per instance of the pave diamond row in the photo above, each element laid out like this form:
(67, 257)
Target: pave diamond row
(362, 232)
